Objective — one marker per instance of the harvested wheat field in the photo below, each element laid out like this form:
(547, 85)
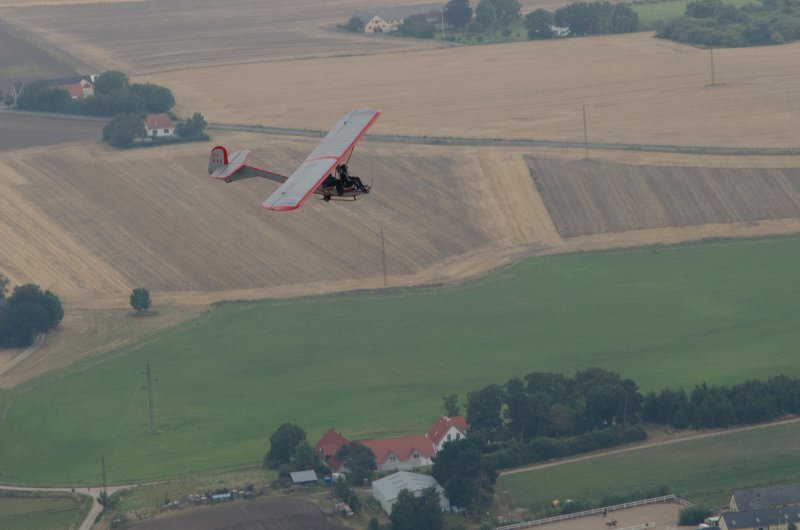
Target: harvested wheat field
(592, 197)
(90, 223)
(152, 36)
(637, 89)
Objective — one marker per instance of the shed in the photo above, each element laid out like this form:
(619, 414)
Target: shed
(303, 477)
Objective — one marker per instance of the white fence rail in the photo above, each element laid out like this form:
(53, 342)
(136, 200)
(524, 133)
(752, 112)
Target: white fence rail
(607, 509)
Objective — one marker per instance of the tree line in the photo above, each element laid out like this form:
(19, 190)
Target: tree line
(113, 94)
(28, 312)
(714, 23)
(547, 415)
(501, 16)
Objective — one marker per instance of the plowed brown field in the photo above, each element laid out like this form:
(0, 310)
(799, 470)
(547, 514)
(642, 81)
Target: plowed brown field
(592, 197)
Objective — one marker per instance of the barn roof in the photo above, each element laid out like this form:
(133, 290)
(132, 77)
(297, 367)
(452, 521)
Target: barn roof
(772, 497)
(401, 447)
(392, 485)
(762, 518)
(301, 477)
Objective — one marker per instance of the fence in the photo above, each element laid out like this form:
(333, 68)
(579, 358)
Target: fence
(595, 511)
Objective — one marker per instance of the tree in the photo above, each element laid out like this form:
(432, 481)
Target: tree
(4, 281)
(193, 127)
(21, 323)
(417, 513)
(506, 11)
(414, 27)
(121, 131)
(140, 299)
(283, 443)
(109, 81)
(483, 410)
(354, 25)
(457, 13)
(305, 456)
(540, 24)
(485, 14)
(359, 461)
(28, 312)
(450, 404)
(40, 96)
(459, 468)
(374, 524)
(156, 98)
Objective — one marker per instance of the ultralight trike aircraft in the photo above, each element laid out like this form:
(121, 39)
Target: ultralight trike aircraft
(324, 172)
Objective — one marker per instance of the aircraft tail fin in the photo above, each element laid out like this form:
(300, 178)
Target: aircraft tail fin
(223, 167)
(219, 158)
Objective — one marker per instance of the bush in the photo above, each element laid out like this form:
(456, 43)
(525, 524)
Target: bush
(693, 515)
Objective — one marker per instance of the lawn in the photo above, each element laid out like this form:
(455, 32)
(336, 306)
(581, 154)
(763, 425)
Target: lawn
(703, 471)
(378, 363)
(651, 13)
(23, 512)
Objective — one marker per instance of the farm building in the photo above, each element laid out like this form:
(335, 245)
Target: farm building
(388, 19)
(764, 519)
(386, 490)
(328, 445)
(158, 126)
(447, 429)
(401, 453)
(761, 498)
(303, 477)
(79, 87)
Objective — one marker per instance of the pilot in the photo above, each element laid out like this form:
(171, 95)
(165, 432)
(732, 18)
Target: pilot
(349, 181)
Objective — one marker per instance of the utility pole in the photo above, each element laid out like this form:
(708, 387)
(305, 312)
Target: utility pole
(104, 493)
(383, 260)
(585, 136)
(150, 400)
(442, 23)
(713, 81)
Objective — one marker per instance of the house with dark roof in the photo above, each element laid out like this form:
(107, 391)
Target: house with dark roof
(763, 519)
(760, 498)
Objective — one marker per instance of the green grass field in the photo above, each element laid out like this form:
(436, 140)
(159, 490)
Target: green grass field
(378, 363)
(703, 471)
(651, 13)
(21, 512)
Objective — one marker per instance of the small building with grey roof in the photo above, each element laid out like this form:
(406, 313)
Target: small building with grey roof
(764, 519)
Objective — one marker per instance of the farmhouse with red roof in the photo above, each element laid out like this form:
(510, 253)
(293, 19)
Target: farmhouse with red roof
(447, 429)
(328, 445)
(158, 125)
(400, 453)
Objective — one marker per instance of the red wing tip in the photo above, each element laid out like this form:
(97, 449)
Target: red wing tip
(281, 208)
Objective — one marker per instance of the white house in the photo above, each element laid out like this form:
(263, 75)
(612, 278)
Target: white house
(387, 489)
(158, 126)
(447, 429)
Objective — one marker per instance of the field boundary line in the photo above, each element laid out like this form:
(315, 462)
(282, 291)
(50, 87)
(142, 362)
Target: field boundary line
(463, 140)
(597, 511)
(517, 142)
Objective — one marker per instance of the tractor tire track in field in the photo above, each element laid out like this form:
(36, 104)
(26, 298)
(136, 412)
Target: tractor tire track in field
(21, 357)
(647, 445)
